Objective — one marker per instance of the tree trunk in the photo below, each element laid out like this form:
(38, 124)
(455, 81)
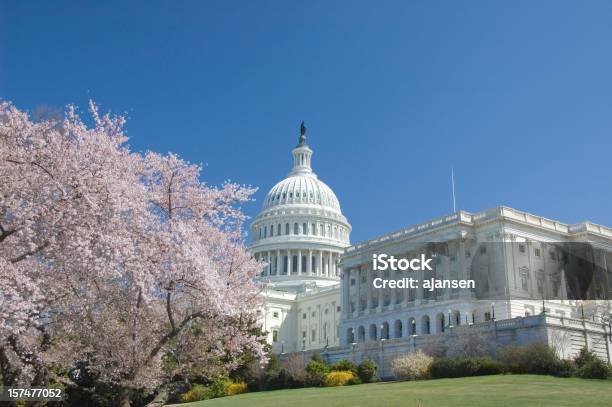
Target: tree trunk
(125, 399)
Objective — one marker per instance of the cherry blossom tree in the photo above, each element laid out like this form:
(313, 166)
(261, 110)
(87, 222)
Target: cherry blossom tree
(121, 260)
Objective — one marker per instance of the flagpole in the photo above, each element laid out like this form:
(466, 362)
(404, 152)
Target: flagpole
(453, 184)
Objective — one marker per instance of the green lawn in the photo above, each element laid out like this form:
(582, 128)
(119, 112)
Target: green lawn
(498, 391)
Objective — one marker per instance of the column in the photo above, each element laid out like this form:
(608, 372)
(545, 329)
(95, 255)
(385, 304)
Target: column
(320, 270)
(278, 262)
(369, 277)
(289, 262)
(299, 264)
(269, 266)
(346, 276)
(358, 271)
(309, 263)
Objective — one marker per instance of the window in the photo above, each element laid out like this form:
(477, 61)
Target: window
(536, 252)
(553, 256)
(314, 314)
(487, 316)
(352, 281)
(363, 277)
(275, 314)
(338, 308)
(295, 229)
(467, 254)
(483, 249)
(271, 230)
(522, 248)
(524, 281)
(275, 335)
(304, 315)
(313, 335)
(305, 228)
(286, 228)
(265, 231)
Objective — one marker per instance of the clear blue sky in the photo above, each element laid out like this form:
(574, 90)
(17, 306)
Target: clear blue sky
(517, 96)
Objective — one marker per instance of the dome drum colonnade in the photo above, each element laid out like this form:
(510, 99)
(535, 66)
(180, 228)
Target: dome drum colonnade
(300, 232)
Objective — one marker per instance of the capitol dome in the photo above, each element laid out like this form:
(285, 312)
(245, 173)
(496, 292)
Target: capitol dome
(302, 188)
(300, 232)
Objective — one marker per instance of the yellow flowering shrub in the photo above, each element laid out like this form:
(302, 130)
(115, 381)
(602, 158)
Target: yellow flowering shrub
(338, 378)
(236, 388)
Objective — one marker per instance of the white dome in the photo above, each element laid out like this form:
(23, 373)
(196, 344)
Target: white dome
(302, 189)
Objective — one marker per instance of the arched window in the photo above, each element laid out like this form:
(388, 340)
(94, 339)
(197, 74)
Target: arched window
(271, 230)
(425, 325)
(286, 228)
(361, 334)
(398, 329)
(296, 229)
(440, 322)
(265, 231)
(278, 230)
(314, 229)
(373, 335)
(305, 228)
(350, 335)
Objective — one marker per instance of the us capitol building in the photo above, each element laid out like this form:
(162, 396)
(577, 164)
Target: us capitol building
(536, 279)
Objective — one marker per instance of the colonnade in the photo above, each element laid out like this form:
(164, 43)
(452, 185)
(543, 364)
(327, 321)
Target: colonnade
(308, 262)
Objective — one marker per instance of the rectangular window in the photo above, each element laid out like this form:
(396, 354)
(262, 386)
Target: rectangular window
(275, 335)
(522, 248)
(304, 315)
(313, 335)
(275, 314)
(536, 252)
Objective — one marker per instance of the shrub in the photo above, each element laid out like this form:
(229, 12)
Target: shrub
(567, 368)
(198, 392)
(315, 373)
(594, 369)
(584, 357)
(338, 378)
(344, 365)
(412, 366)
(537, 358)
(354, 380)
(218, 388)
(236, 388)
(464, 367)
(367, 371)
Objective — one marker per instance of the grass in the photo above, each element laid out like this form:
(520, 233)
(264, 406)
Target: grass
(498, 391)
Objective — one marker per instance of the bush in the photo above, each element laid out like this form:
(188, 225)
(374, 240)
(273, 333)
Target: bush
(338, 378)
(367, 371)
(567, 368)
(412, 366)
(464, 367)
(236, 388)
(344, 365)
(584, 357)
(218, 388)
(315, 373)
(594, 369)
(198, 392)
(537, 358)
(354, 380)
